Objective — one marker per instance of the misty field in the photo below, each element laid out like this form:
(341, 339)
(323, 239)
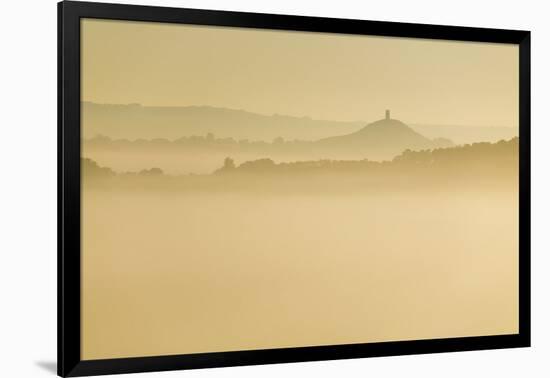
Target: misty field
(175, 273)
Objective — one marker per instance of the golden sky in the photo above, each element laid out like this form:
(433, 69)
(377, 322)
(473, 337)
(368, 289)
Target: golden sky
(323, 76)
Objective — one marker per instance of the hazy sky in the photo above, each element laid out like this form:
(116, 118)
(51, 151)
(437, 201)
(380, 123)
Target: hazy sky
(324, 76)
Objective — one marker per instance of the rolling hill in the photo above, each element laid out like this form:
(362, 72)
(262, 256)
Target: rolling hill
(382, 139)
(134, 121)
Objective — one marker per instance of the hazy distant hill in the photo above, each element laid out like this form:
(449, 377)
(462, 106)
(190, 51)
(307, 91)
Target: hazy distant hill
(134, 121)
(382, 139)
(467, 134)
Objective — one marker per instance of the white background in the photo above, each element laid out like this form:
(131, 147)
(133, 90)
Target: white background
(28, 187)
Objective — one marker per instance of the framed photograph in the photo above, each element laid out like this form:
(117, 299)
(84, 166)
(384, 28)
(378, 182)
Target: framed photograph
(239, 188)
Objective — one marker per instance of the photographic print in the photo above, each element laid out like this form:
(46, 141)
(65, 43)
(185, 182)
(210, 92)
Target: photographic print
(251, 189)
(241, 188)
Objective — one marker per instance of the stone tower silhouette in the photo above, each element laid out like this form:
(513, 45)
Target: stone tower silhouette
(387, 114)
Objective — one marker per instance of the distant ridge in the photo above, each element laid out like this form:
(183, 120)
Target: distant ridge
(134, 121)
(467, 134)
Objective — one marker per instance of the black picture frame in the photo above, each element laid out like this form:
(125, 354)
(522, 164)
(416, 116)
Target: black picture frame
(69, 360)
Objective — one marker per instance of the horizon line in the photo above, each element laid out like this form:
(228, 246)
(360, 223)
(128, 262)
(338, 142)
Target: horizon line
(137, 104)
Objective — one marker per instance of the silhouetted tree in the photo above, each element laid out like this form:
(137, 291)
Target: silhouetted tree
(228, 166)
(151, 172)
(91, 168)
(228, 163)
(260, 165)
